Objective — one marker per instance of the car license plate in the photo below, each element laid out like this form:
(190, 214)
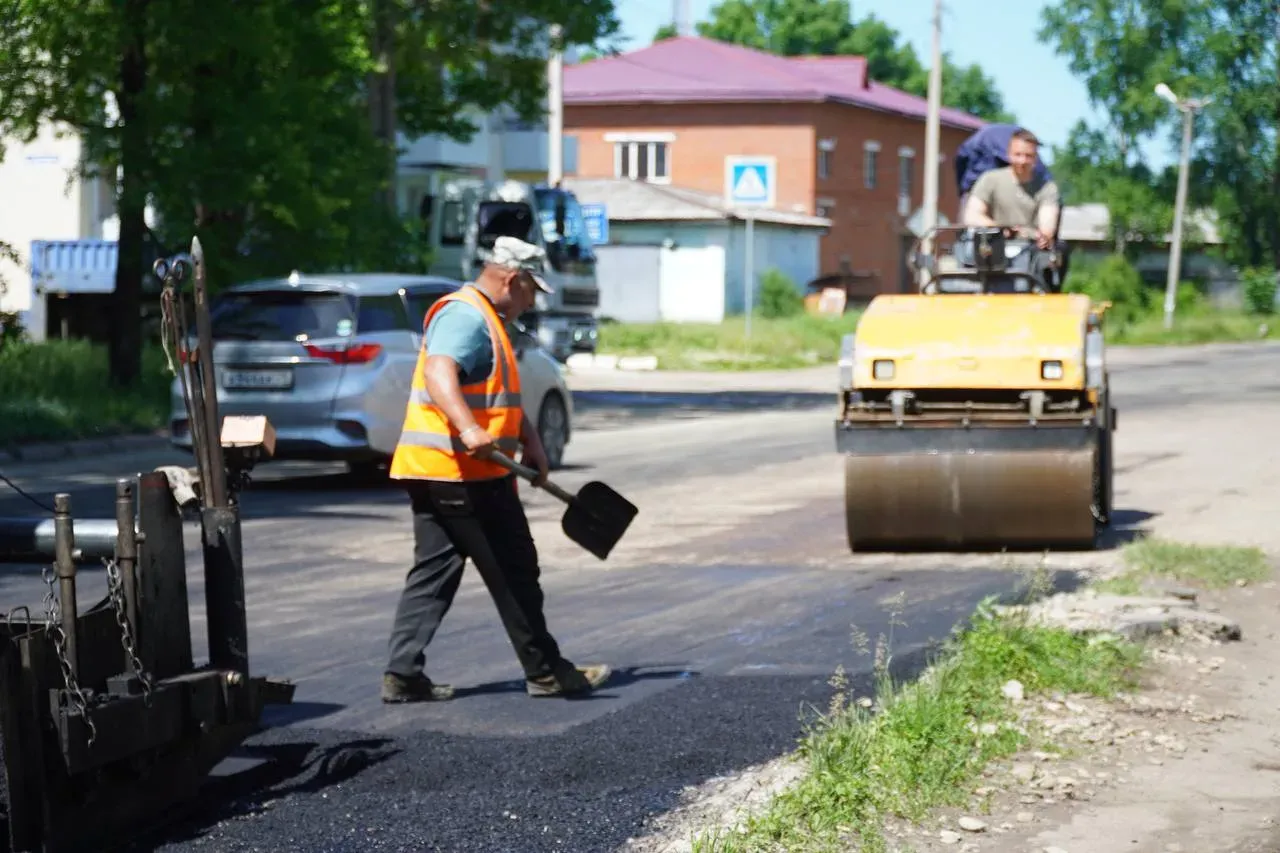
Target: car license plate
(257, 380)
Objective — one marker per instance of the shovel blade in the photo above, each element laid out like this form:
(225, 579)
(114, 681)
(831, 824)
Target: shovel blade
(598, 518)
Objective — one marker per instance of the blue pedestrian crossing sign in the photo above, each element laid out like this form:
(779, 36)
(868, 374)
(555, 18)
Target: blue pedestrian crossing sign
(750, 181)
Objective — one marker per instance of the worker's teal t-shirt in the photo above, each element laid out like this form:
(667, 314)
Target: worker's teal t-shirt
(460, 332)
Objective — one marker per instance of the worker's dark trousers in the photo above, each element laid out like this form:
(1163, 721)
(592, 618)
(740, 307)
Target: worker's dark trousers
(483, 520)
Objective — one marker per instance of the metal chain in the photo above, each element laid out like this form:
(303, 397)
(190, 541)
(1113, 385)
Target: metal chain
(115, 591)
(53, 626)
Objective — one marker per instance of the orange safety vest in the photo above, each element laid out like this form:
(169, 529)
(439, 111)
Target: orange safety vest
(430, 447)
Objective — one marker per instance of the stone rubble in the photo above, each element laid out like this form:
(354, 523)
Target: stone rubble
(722, 803)
(1082, 745)
(1131, 617)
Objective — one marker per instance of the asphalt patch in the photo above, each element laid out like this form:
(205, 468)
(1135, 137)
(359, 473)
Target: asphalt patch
(587, 789)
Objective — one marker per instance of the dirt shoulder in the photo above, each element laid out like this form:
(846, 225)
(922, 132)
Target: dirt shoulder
(1188, 762)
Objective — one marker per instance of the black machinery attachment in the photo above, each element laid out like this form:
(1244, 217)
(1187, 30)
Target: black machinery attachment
(106, 722)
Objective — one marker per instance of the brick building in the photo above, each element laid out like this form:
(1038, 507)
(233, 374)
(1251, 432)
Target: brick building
(847, 148)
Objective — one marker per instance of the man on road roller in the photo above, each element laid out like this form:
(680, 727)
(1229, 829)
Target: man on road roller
(976, 414)
(1017, 196)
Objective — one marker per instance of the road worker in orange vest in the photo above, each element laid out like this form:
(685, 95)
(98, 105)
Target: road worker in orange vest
(464, 404)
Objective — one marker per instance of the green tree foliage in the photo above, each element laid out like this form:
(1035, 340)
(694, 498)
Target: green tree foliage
(1122, 49)
(1092, 168)
(259, 125)
(827, 28)
(1223, 48)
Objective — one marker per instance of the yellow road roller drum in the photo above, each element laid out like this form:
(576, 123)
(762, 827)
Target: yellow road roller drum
(976, 415)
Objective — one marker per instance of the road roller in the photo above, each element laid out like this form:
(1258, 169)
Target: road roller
(976, 414)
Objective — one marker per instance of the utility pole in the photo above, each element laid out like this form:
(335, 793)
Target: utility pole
(382, 93)
(555, 107)
(931, 133)
(1188, 108)
(681, 17)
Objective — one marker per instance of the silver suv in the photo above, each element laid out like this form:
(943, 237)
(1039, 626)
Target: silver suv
(329, 359)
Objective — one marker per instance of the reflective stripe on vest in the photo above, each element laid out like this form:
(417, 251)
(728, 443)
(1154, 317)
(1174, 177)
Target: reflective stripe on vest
(503, 399)
(430, 446)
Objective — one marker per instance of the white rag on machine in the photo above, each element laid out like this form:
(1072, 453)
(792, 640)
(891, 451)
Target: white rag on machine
(182, 483)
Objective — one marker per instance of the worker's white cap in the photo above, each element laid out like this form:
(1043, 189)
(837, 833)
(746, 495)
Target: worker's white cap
(514, 254)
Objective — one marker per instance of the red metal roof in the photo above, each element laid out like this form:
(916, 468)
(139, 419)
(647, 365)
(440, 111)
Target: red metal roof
(692, 69)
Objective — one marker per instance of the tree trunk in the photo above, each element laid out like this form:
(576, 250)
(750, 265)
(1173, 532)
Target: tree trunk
(382, 93)
(1273, 203)
(125, 350)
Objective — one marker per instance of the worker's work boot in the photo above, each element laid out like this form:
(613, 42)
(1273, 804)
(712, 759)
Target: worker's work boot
(417, 688)
(569, 680)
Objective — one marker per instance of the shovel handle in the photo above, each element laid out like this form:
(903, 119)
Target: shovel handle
(530, 475)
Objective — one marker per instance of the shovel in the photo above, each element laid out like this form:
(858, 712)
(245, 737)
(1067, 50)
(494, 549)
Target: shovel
(597, 515)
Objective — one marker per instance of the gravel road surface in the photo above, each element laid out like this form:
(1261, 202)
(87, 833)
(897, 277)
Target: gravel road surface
(725, 611)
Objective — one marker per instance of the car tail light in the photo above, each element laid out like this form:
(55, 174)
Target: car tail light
(350, 354)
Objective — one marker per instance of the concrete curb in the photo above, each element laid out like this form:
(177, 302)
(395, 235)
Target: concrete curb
(57, 451)
(589, 362)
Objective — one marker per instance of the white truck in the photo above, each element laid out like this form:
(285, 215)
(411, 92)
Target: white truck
(463, 218)
(469, 214)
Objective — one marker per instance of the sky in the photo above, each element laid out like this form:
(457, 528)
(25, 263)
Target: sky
(1037, 85)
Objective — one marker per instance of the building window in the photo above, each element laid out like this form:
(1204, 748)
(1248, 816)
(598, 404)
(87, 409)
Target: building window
(642, 161)
(825, 147)
(824, 207)
(642, 157)
(906, 171)
(870, 163)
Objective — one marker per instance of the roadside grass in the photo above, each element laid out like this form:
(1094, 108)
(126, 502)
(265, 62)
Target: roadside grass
(1208, 566)
(60, 390)
(1201, 326)
(920, 744)
(805, 340)
(775, 343)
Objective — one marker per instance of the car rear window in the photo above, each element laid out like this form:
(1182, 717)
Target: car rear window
(382, 314)
(420, 303)
(279, 315)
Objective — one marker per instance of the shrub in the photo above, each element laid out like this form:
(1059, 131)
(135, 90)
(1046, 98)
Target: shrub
(779, 296)
(1114, 280)
(1188, 300)
(61, 390)
(1260, 291)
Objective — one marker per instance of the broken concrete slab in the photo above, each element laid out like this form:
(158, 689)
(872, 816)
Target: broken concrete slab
(1131, 617)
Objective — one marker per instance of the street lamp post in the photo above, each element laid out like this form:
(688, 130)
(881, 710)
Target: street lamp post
(1188, 107)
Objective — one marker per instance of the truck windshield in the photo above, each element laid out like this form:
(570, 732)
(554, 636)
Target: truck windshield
(575, 227)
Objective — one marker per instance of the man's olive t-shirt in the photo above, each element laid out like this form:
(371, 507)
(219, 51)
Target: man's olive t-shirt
(1010, 203)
